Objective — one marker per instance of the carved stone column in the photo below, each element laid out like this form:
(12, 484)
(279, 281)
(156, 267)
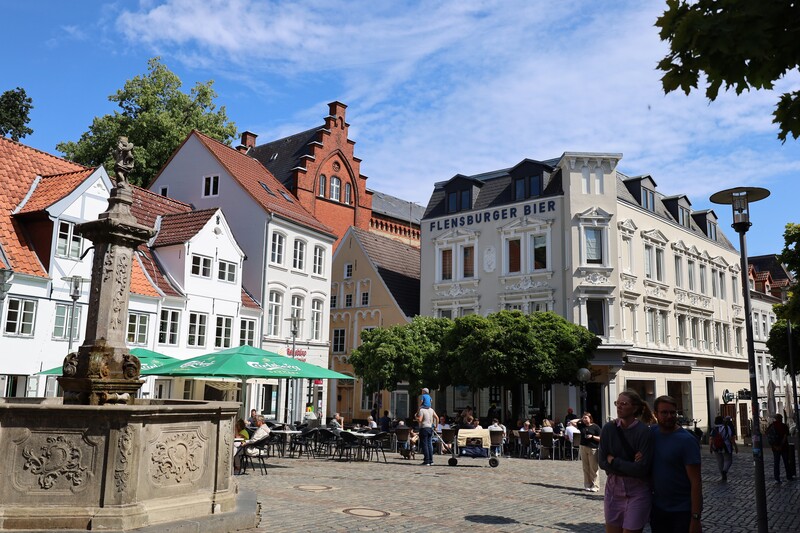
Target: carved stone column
(103, 370)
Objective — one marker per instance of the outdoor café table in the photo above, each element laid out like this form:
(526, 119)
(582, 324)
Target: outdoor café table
(287, 434)
(362, 438)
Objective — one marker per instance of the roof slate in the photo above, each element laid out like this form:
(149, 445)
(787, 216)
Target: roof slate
(282, 155)
(19, 166)
(250, 173)
(391, 206)
(397, 264)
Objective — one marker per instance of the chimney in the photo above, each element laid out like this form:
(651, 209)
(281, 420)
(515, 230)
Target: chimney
(248, 139)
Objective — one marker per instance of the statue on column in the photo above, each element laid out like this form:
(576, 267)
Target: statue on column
(123, 156)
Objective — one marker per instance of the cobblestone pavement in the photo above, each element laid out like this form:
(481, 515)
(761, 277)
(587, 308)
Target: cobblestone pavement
(519, 495)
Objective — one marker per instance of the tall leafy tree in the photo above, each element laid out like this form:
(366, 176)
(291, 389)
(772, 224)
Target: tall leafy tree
(735, 44)
(778, 342)
(156, 116)
(15, 106)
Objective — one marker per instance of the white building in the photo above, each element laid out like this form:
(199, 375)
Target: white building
(655, 280)
(288, 253)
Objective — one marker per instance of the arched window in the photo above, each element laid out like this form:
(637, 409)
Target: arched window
(322, 185)
(336, 185)
(347, 193)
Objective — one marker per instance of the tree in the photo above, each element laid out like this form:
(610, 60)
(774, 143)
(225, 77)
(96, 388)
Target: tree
(15, 105)
(156, 116)
(778, 345)
(739, 44)
(790, 256)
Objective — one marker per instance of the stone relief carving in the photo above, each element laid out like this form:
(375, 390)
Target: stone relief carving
(131, 366)
(59, 458)
(119, 303)
(125, 447)
(70, 366)
(174, 459)
(489, 259)
(455, 291)
(527, 283)
(656, 291)
(628, 284)
(596, 278)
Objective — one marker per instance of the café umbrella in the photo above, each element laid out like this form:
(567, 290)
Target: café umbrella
(245, 362)
(148, 358)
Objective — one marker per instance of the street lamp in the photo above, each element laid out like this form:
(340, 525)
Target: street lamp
(295, 321)
(584, 375)
(740, 199)
(75, 283)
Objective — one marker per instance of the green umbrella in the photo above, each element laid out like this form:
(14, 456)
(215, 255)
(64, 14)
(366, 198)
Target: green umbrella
(148, 358)
(244, 362)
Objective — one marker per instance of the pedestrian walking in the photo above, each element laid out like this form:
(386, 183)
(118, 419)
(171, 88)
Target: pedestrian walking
(626, 455)
(677, 485)
(778, 439)
(428, 420)
(590, 442)
(722, 444)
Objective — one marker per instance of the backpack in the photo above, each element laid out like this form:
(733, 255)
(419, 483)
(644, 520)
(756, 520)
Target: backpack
(717, 441)
(772, 436)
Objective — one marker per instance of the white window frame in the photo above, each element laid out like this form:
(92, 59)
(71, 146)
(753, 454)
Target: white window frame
(25, 321)
(440, 271)
(532, 255)
(364, 298)
(318, 268)
(69, 245)
(316, 319)
(198, 329)
(323, 186)
(507, 255)
(138, 326)
(462, 263)
(210, 186)
(274, 314)
(702, 274)
(62, 322)
(299, 255)
(201, 266)
(169, 325)
(226, 271)
(690, 271)
(247, 331)
(277, 246)
(297, 306)
(336, 189)
(223, 331)
(348, 192)
(678, 271)
(348, 270)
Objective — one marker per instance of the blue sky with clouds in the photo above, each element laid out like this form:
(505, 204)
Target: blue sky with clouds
(432, 88)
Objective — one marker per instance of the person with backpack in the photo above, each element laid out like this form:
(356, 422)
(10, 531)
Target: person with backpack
(722, 445)
(778, 439)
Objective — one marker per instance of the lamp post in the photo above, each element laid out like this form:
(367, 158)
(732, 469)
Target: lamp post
(294, 328)
(584, 375)
(740, 198)
(75, 284)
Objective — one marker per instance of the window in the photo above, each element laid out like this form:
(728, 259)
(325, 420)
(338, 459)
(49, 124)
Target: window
(222, 338)
(62, 322)
(717, 336)
(653, 262)
(247, 332)
(137, 328)
(690, 271)
(348, 271)
(348, 191)
(197, 329)
(299, 259)
(459, 200)
(164, 191)
(519, 189)
(333, 301)
(722, 291)
(702, 279)
(322, 185)
(535, 183)
(648, 199)
(627, 257)
(661, 326)
(539, 249)
(726, 332)
(527, 187)
(678, 271)
(319, 261)
(683, 217)
(695, 333)
(682, 392)
(595, 316)
(648, 261)
(468, 261)
(226, 271)
(316, 319)
(447, 264)
(452, 202)
(735, 289)
(348, 300)
(169, 326)
(681, 330)
(513, 250)
(336, 185)
(659, 264)
(274, 313)
(297, 306)
(445, 313)
(276, 255)
(20, 316)
(706, 335)
(201, 266)
(211, 186)
(69, 243)
(466, 201)
(338, 340)
(651, 326)
(365, 299)
(738, 340)
(714, 282)
(594, 246)
(764, 326)
(711, 230)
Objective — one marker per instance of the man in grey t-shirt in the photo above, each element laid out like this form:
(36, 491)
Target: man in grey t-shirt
(428, 419)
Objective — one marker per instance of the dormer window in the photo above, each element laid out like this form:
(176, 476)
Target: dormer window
(683, 217)
(711, 230)
(459, 201)
(210, 186)
(648, 199)
(527, 187)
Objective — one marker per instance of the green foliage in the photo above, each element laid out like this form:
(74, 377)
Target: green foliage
(15, 106)
(156, 116)
(736, 44)
(778, 344)
(790, 256)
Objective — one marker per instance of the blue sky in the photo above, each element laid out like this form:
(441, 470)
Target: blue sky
(432, 88)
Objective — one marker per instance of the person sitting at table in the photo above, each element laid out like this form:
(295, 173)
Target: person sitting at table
(251, 420)
(547, 426)
(526, 426)
(469, 423)
(335, 422)
(261, 432)
(384, 422)
(241, 430)
(371, 423)
(572, 429)
(443, 424)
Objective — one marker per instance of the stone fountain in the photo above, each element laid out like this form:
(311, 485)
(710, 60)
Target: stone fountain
(101, 459)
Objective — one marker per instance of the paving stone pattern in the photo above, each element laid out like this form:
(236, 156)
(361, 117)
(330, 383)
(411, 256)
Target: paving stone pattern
(519, 495)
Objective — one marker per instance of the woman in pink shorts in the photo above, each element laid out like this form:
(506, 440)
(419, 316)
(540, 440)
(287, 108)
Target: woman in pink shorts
(626, 453)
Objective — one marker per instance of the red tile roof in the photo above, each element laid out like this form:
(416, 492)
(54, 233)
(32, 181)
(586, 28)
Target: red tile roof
(249, 301)
(19, 166)
(251, 174)
(140, 283)
(53, 188)
(147, 206)
(179, 228)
